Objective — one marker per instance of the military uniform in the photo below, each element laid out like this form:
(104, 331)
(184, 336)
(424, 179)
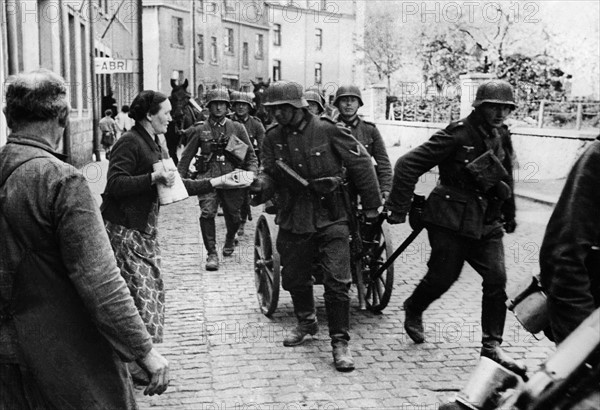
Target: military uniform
(206, 156)
(256, 132)
(464, 221)
(367, 134)
(313, 226)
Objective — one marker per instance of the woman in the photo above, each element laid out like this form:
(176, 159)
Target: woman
(130, 204)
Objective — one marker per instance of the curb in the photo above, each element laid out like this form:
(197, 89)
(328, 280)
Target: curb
(539, 198)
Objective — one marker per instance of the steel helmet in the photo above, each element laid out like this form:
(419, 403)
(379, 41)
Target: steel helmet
(285, 92)
(217, 94)
(238, 96)
(495, 91)
(348, 91)
(315, 97)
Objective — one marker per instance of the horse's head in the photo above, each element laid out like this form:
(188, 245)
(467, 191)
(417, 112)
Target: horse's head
(179, 98)
(259, 95)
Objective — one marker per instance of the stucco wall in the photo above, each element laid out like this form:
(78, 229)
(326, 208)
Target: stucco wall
(541, 153)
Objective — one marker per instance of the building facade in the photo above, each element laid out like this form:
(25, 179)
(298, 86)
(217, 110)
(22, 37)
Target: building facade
(209, 43)
(313, 42)
(66, 37)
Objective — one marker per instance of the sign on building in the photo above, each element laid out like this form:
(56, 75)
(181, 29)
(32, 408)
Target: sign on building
(106, 65)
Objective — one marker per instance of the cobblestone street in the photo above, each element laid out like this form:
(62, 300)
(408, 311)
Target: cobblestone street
(224, 354)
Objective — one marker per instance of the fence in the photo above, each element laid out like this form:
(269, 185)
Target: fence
(538, 113)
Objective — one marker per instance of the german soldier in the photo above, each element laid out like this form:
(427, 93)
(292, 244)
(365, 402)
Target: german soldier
(315, 102)
(302, 162)
(348, 100)
(217, 147)
(466, 212)
(242, 104)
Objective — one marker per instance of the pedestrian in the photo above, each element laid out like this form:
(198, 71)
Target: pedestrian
(466, 212)
(108, 131)
(216, 147)
(242, 104)
(123, 120)
(348, 100)
(304, 157)
(315, 102)
(130, 206)
(570, 255)
(67, 320)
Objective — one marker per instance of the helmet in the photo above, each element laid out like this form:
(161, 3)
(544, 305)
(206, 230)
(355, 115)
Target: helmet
(315, 97)
(495, 91)
(348, 91)
(217, 94)
(285, 92)
(238, 96)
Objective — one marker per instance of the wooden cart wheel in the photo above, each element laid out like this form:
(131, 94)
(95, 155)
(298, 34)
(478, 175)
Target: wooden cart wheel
(267, 272)
(378, 289)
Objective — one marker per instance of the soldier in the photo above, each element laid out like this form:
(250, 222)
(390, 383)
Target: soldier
(217, 147)
(315, 102)
(242, 103)
(348, 100)
(303, 159)
(466, 212)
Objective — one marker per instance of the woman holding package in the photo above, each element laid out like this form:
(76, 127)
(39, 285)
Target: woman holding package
(131, 204)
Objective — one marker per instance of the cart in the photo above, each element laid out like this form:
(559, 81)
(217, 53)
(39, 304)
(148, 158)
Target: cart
(374, 285)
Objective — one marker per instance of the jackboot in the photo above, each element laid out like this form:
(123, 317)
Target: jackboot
(240, 231)
(207, 227)
(304, 309)
(501, 357)
(230, 239)
(413, 323)
(338, 317)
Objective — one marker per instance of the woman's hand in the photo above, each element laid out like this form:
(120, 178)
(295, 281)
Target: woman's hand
(164, 177)
(157, 368)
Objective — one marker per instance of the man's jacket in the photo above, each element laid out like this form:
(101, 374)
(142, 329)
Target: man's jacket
(316, 148)
(71, 319)
(254, 128)
(205, 152)
(367, 134)
(570, 266)
(458, 203)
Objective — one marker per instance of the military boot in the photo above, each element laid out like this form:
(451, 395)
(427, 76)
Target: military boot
(413, 323)
(207, 227)
(338, 316)
(304, 308)
(240, 231)
(212, 262)
(230, 239)
(499, 356)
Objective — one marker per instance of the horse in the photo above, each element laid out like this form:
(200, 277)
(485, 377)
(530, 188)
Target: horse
(259, 94)
(184, 115)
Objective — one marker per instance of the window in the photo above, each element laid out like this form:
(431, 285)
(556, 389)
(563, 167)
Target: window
(245, 52)
(213, 49)
(276, 70)
(228, 47)
(318, 38)
(177, 31)
(258, 52)
(277, 35)
(318, 73)
(200, 49)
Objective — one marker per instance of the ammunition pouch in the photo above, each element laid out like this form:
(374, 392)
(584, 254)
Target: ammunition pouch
(486, 171)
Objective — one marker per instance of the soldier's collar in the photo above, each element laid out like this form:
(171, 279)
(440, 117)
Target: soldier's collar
(352, 121)
(215, 123)
(301, 125)
(240, 119)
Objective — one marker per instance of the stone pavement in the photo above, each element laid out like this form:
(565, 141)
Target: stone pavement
(224, 354)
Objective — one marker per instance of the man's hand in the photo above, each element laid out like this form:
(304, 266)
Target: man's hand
(395, 218)
(371, 214)
(158, 369)
(510, 226)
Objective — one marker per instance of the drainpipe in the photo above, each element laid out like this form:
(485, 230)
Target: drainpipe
(95, 136)
(140, 50)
